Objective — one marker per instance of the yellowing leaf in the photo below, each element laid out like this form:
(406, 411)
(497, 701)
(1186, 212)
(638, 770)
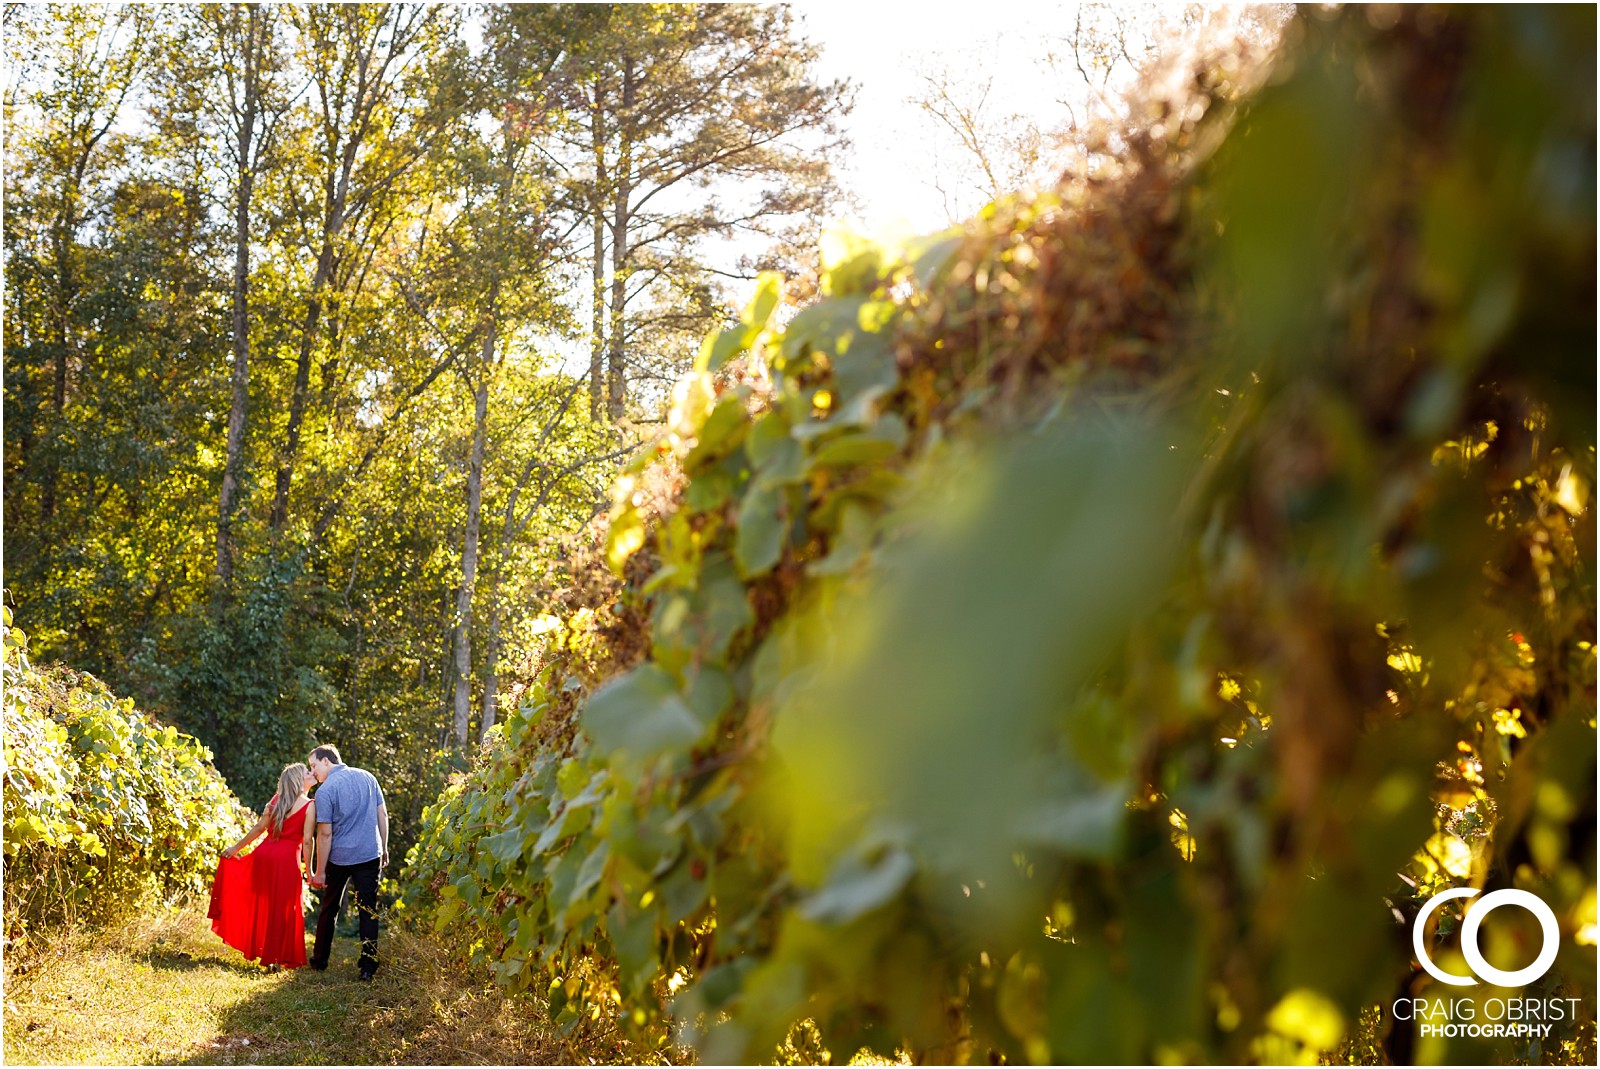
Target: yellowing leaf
(624, 539)
(1405, 661)
(850, 262)
(1509, 722)
(1583, 920)
(692, 398)
(1308, 1016)
(1180, 834)
(1450, 854)
(1572, 493)
(769, 290)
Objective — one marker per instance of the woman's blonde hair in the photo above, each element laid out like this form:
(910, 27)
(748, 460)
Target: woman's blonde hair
(291, 785)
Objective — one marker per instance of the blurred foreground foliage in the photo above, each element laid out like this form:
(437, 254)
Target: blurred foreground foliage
(1089, 637)
(104, 808)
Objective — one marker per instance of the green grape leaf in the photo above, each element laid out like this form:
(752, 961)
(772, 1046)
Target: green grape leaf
(1077, 820)
(851, 542)
(642, 714)
(886, 438)
(708, 491)
(710, 691)
(633, 935)
(770, 433)
(758, 542)
(823, 327)
(724, 345)
(594, 866)
(863, 362)
(854, 888)
(722, 431)
(721, 607)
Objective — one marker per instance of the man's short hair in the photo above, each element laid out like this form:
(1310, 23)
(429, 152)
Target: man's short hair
(326, 753)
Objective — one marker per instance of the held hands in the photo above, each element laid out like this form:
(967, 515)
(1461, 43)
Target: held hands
(318, 880)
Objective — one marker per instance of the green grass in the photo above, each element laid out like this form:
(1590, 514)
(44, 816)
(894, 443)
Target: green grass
(164, 989)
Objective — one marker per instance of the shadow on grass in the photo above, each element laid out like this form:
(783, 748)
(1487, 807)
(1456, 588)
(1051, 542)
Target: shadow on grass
(421, 1009)
(182, 961)
(304, 1017)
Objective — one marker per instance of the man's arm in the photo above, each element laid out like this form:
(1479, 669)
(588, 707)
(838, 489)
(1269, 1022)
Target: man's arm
(324, 844)
(383, 837)
(307, 839)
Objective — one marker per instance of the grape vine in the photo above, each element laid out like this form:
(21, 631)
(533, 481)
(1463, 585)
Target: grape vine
(1090, 636)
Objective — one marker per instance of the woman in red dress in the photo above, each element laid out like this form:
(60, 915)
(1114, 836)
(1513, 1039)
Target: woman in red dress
(256, 904)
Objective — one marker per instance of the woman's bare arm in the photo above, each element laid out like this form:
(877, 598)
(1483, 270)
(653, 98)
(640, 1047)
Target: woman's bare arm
(249, 836)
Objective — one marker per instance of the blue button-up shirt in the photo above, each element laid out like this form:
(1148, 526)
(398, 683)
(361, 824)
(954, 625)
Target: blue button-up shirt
(349, 799)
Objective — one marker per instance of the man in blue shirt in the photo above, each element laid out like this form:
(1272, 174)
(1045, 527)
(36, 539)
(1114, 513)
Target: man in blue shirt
(352, 847)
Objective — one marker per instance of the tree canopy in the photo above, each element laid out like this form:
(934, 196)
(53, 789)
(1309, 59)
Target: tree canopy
(293, 414)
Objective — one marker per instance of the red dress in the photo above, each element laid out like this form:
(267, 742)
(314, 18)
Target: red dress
(255, 902)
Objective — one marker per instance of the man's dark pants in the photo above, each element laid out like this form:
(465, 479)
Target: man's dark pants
(365, 878)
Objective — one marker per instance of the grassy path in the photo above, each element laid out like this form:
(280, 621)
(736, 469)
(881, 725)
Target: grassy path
(165, 990)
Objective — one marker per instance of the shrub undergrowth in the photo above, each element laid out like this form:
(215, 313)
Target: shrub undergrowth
(106, 811)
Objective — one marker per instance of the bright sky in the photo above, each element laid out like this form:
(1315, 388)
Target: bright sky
(878, 45)
(875, 45)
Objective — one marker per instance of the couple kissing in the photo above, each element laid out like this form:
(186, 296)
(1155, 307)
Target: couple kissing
(326, 822)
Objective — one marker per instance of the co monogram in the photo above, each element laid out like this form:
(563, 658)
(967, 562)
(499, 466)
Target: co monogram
(1469, 937)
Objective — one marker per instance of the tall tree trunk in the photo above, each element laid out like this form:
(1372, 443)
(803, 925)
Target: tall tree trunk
(616, 378)
(337, 194)
(240, 378)
(597, 209)
(491, 657)
(64, 239)
(616, 372)
(66, 297)
(302, 387)
(469, 541)
(597, 344)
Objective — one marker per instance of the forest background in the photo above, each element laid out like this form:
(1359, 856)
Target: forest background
(327, 328)
(326, 325)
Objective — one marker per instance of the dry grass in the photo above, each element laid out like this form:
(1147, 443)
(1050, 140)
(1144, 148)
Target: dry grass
(164, 990)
